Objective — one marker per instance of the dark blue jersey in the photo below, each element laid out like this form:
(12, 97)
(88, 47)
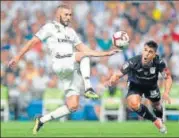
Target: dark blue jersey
(140, 75)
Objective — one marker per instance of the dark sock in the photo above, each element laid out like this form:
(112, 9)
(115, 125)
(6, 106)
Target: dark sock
(158, 113)
(144, 112)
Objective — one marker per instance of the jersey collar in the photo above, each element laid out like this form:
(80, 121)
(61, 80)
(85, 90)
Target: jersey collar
(59, 24)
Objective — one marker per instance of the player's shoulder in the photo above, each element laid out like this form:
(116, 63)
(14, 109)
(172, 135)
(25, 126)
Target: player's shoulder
(49, 25)
(159, 60)
(70, 29)
(135, 59)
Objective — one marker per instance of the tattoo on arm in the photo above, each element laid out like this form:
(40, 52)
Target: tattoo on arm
(166, 73)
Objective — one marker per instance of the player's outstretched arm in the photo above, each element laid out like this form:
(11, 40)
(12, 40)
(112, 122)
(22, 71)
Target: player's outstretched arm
(89, 52)
(13, 62)
(167, 85)
(114, 78)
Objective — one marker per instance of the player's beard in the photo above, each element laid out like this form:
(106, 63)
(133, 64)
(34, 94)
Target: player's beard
(63, 22)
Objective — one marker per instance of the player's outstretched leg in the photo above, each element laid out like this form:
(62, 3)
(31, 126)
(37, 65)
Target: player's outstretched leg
(85, 72)
(158, 109)
(134, 104)
(38, 125)
(71, 105)
(160, 125)
(59, 112)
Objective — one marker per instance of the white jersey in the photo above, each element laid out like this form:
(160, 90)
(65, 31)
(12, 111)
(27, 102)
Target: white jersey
(60, 40)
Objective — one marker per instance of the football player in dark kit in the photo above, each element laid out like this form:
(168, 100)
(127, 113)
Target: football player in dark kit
(143, 71)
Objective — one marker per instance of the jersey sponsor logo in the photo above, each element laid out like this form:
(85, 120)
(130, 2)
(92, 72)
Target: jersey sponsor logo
(146, 78)
(145, 73)
(65, 41)
(67, 37)
(152, 70)
(62, 56)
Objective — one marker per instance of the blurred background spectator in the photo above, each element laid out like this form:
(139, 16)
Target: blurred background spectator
(95, 22)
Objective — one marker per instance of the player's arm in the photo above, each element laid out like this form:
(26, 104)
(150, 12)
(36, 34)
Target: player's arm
(89, 52)
(42, 34)
(167, 81)
(26, 48)
(115, 78)
(124, 70)
(29, 45)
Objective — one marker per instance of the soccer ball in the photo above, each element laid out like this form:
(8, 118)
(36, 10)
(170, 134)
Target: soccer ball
(120, 39)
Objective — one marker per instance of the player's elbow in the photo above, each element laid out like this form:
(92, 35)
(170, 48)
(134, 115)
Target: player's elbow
(35, 40)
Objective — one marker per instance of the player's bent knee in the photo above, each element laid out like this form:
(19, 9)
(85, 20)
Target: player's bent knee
(72, 103)
(133, 102)
(73, 106)
(134, 105)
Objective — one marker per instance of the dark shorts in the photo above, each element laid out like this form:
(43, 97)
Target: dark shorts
(150, 92)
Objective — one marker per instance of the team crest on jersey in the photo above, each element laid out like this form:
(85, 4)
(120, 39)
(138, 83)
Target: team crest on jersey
(152, 70)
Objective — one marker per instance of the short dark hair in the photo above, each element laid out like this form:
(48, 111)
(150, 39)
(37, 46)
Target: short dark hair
(152, 44)
(63, 6)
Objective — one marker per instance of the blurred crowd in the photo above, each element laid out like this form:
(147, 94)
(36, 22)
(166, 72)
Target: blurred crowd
(95, 22)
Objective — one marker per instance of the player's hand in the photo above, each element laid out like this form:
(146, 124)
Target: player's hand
(166, 98)
(114, 51)
(13, 62)
(113, 81)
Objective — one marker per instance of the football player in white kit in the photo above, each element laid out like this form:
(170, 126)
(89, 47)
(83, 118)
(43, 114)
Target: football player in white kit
(61, 41)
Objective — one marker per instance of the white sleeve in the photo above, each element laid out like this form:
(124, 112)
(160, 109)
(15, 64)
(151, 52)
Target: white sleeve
(77, 40)
(44, 32)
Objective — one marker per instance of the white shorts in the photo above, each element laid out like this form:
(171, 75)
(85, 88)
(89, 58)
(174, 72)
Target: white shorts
(67, 70)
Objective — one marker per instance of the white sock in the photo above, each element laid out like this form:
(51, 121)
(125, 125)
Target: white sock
(85, 71)
(59, 112)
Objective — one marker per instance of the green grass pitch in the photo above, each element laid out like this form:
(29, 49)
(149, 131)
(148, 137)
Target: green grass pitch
(88, 129)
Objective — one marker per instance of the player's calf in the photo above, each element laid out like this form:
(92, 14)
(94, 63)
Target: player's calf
(134, 104)
(158, 109)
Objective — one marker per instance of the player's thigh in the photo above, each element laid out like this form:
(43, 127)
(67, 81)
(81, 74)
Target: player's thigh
(134, 96)
(72, 86)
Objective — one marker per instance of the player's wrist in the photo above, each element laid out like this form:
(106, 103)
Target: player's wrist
(166, 92)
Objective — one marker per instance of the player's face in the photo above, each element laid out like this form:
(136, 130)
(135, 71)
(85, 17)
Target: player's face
(65, 16)
(148, 54)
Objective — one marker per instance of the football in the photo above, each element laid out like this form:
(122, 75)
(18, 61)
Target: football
(120, 39)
